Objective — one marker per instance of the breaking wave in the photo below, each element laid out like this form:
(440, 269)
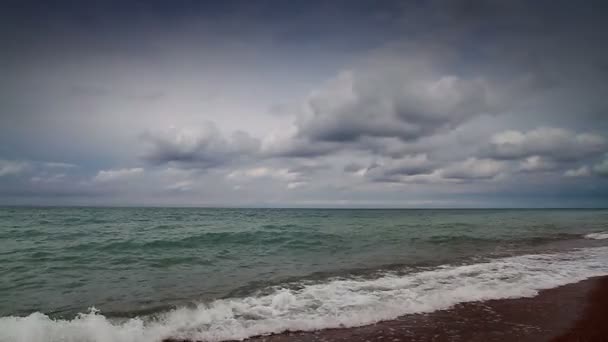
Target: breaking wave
(337, 302)
(597, 236)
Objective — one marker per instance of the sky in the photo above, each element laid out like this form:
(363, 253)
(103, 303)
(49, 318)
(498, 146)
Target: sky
(398, 104)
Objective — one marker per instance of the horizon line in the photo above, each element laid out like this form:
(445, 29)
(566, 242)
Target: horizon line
(293, 207)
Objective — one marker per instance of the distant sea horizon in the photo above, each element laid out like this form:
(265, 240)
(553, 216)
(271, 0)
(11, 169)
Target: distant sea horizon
(298, 207)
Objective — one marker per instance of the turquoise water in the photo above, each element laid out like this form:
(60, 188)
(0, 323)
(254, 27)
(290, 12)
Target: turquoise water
(146, 262)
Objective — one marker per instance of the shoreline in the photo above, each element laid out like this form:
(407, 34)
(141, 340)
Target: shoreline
(573, 312)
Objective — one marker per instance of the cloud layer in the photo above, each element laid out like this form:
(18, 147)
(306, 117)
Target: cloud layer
(386, 104)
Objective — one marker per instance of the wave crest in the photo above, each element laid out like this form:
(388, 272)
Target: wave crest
(338, 302)
(597, 236)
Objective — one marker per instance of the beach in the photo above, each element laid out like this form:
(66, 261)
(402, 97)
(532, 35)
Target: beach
(574, 312)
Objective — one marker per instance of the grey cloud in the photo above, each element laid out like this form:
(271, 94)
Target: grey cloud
(601, 169)
(582, 171)
(263, 172)
(104, 176)
(555, 143)
(401, 95)
(474, 168)
(353, 167)
(201, 148)
(450, 74)
(403, 100)
(262, 175)
(296, 147)
(293, 174)
(445, 74)
(128, 94)
(28, 167)
(12, 167)
(308, 168)
(393, 169)
(536, 164)
(59, 165)
(429, 178)
(23, 179)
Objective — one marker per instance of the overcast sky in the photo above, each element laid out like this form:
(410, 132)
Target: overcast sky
(304, 103)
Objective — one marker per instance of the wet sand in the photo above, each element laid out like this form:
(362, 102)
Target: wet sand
(574, 312)
(593, 324)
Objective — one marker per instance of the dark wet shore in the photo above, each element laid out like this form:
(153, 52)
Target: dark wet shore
(574, 312)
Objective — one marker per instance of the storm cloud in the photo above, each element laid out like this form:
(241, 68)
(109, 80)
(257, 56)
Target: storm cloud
(459, 103)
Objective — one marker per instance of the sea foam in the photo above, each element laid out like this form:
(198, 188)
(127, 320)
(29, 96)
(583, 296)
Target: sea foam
(597, 236)
(333, 303)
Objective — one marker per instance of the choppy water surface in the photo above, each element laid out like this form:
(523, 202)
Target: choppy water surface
(219, 274)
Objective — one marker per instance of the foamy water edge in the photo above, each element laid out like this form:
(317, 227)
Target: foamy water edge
(335, 303)
(597, 236)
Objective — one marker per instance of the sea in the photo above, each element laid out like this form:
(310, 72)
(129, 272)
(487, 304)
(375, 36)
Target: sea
(212, 274)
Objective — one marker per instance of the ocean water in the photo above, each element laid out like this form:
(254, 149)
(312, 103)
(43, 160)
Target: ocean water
(144, 274)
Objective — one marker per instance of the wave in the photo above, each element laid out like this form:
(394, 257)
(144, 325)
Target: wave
(597, 236)
(291, 239)
(338, 302)
(532, 240)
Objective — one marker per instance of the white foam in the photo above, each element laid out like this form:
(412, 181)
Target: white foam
(335, 303)
(597, 236)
